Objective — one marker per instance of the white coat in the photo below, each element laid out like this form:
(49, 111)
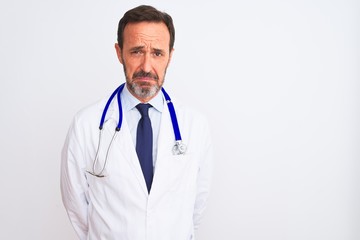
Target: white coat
(118, 206)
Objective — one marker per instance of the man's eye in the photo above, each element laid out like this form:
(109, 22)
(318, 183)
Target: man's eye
(136, 52)
(158, 54)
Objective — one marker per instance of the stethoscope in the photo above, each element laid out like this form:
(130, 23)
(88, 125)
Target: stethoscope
(179, 147)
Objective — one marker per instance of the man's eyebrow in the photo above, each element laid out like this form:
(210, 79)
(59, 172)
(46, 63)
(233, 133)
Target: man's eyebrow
(158, 50)
(137, 48)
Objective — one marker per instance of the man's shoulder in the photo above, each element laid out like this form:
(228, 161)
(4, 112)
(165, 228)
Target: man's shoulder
(91, 113)
(91, 108)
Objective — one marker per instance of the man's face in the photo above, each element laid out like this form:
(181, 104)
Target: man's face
(145, 57)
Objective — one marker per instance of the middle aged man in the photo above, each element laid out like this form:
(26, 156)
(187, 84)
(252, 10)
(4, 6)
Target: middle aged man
(136, 186)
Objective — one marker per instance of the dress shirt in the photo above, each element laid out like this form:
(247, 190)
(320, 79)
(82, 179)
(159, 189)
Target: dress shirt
(133, 116)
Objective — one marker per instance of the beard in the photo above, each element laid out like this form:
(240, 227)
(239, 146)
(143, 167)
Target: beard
(143, 90)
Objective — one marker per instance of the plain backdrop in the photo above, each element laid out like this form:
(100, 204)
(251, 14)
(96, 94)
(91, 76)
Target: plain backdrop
(279, 81)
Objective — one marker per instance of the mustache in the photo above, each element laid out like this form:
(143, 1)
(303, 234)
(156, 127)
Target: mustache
(145, 74)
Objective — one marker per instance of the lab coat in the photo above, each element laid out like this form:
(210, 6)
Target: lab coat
(118, 206)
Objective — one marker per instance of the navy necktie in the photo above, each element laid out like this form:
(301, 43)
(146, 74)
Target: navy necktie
(144, 144)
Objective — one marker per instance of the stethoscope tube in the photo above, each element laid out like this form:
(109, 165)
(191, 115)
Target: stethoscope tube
(172, 115)
(179, 147)
(116, 92)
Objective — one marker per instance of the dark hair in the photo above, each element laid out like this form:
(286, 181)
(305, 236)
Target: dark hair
(144, 13)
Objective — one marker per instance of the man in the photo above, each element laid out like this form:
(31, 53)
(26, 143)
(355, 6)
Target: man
(116, 186)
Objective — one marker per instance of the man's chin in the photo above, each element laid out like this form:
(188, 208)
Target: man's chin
(145, 90)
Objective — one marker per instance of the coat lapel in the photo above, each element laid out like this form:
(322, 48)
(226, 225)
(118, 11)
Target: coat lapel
(169, 168)
(126, 150)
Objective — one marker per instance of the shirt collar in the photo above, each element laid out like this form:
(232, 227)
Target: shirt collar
(129, 101)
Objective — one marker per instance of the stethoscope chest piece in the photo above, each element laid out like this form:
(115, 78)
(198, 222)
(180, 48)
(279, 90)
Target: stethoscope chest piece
(179, 148)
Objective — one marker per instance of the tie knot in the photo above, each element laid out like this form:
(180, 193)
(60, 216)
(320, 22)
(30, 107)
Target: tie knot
(143, 109)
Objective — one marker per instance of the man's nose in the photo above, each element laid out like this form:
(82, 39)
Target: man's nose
(146, 64)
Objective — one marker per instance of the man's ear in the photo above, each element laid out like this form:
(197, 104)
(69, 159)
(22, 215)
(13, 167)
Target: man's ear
(170, 55)
(119, 53)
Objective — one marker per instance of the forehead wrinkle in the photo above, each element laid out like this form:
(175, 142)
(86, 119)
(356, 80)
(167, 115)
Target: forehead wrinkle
(146, 36)
(141, 37)
(147, 41)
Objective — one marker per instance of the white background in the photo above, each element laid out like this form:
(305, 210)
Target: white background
(279, 81)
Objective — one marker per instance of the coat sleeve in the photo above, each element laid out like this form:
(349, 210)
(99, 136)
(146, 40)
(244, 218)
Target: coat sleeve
(204, 177)
(73, 182)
